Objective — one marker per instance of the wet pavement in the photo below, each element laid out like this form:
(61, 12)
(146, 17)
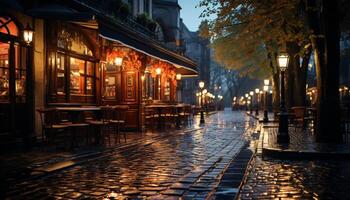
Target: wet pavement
(297, 179)
(300, 176)
(182, 164)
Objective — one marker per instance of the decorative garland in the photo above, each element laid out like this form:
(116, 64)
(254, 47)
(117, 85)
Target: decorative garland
(168, 71)
(131, 59)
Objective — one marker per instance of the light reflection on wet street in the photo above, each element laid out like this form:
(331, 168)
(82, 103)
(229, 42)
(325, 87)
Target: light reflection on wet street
(177, 165)
(297, 179)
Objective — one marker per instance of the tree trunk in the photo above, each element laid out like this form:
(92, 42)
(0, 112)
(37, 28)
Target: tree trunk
(326, 54)
(300, 86)
(328, 128)
(292, 75)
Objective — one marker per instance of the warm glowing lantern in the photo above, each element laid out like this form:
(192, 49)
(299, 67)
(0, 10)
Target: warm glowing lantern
(28, 34)
(178, 77)
(118, 61)
(158, 71)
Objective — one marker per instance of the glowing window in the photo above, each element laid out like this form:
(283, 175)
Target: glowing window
(8, 26)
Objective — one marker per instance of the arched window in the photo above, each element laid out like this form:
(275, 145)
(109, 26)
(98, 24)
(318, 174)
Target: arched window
(74, 65)
(8, 26)
(17, 63)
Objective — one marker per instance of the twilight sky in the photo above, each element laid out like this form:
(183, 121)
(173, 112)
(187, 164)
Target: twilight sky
(190, 14)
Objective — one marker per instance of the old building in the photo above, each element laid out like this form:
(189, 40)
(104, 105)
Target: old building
(197, 49)
(82, 53)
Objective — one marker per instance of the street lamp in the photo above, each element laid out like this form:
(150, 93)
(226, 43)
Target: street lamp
(283, 136)
(201, 86)
(251, 93)
(179, 88)
(205, 91)
(158, 72)
(257, 91)
(28, 33)
(266, 88)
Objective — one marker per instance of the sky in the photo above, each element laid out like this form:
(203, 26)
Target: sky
(190, 14)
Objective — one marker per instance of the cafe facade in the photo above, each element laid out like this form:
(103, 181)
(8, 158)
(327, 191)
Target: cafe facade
(78, 56)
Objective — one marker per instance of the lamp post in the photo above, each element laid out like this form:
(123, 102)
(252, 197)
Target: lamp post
(257, 91)
(201, 86)
(283, 136)
(158, 72)
(28, 33)
(246, 96)
(251, 93)
(205, 91)
(266, 88)
(179, 89)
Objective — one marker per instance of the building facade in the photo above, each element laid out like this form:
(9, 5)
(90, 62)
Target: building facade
(83, 53)
(197, 49)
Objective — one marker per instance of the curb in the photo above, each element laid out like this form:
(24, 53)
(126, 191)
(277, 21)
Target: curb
(303, 155)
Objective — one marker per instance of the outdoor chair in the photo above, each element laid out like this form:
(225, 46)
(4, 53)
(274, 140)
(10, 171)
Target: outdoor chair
(168, 115)
(51, 128)
(118, 120)
(150, 119)
(299, 117)
(100, 125)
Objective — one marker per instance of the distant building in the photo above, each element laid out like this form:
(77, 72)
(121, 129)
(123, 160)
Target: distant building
(178, 38)
(167, 14)
(198, 50)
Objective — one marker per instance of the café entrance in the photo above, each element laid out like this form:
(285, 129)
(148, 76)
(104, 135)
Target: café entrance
(16, 106)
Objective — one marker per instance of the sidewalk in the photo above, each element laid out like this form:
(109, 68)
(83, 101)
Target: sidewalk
(302, 169)
(185, 164)
(39, 161)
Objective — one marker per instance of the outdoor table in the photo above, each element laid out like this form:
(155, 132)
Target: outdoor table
(75, 112)
(159, 108)
(179, 107)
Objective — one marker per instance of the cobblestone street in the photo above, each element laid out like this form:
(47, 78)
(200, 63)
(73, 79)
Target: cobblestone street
(184, 165)
(304, 174)
(283, 179)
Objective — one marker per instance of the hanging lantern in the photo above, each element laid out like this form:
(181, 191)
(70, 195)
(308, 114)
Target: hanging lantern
(158, 71)
(178, 77)
(28, 33)
(118, 61)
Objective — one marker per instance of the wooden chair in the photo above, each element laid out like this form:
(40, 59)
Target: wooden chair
(119, 120)
(100, 124)
(186, 115)
(168, 116)
(299, 116)
(50, 127)
(149, 119)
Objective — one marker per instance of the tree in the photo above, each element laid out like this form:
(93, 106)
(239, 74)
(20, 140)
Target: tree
(248, 35)
(281, 26)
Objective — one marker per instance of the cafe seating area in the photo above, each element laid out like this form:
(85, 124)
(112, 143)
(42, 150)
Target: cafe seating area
(73, 126)
(165, 116)
(82, 125)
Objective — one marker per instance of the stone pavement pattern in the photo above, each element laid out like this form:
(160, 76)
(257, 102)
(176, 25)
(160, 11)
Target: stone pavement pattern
(285, 178)
(182, 165)
(279, 179)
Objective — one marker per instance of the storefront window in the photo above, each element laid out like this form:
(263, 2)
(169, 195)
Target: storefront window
(73, 41)
(20, 70)
(148, 86)
(77, 76)
(4, 71)
(75, 69)
(61, 76)
(167, 90)
(110, 82)
(89, 77)
(8, 26)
